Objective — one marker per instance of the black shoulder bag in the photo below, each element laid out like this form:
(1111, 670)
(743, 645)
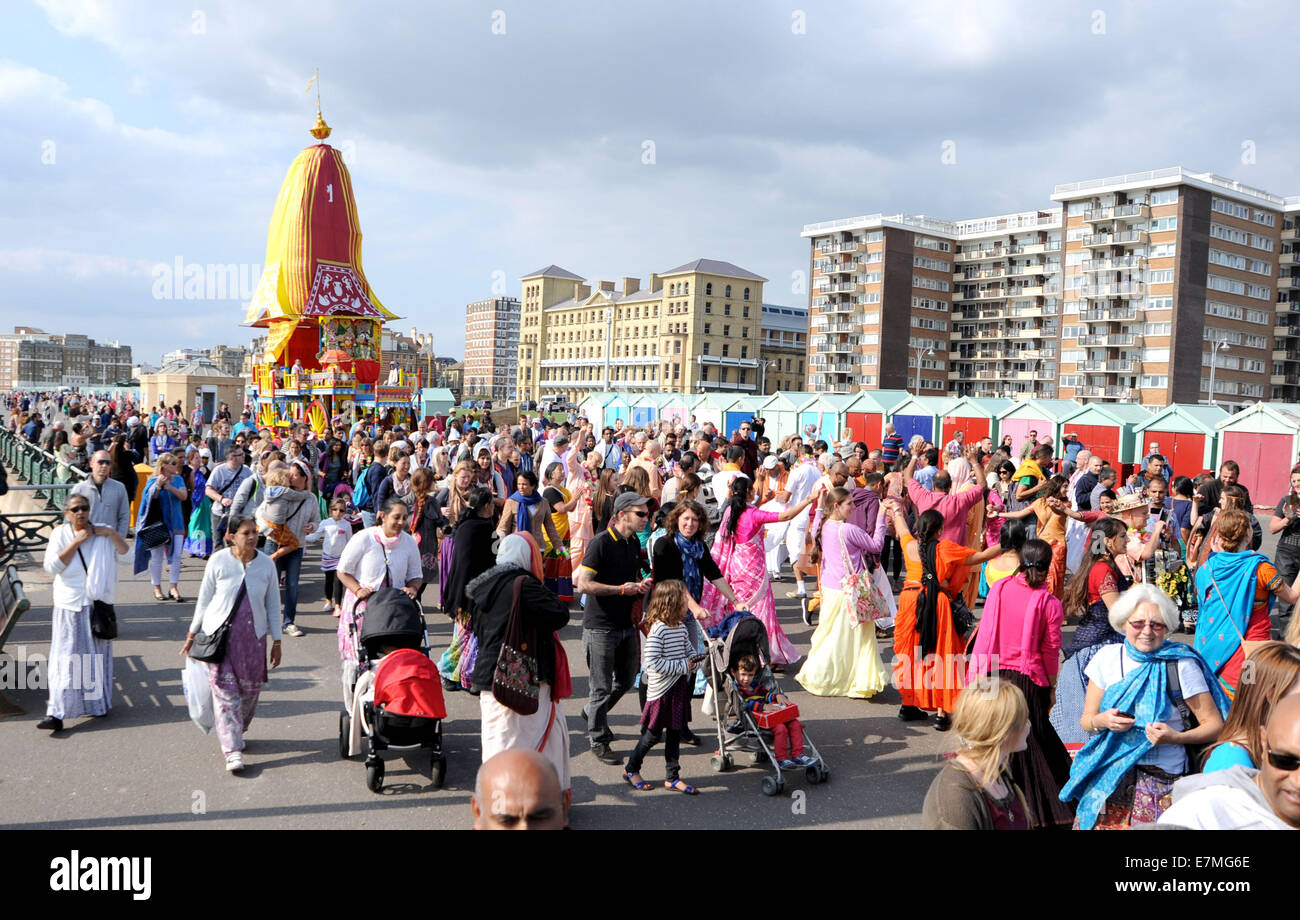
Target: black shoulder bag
(212, 647)
(103, 616)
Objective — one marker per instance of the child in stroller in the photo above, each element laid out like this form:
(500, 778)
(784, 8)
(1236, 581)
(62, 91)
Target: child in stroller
(396, 702)
(742, 636)
(787, 736)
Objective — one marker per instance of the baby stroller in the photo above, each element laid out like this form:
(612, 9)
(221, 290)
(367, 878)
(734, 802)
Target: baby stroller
(748, 636)
(396, 698)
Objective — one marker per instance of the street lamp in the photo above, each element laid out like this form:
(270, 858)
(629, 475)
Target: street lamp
(916, 349)
(1215, 345)
(762, 386)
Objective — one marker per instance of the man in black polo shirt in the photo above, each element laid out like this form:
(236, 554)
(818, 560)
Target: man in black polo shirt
(610, 577)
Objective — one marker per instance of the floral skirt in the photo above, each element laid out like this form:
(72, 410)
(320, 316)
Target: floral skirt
(1142, 796)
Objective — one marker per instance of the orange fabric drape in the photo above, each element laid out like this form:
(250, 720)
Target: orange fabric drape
(936, 680)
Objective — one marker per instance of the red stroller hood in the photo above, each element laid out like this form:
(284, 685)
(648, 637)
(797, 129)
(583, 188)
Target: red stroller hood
(408, 684)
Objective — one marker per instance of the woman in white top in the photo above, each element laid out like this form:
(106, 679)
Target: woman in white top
(383, 556)
(80, 556)
(241, 585)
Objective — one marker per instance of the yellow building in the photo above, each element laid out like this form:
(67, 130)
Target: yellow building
(695, 328)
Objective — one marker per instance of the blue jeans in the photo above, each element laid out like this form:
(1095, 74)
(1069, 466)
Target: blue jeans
(290, 566)
(367, 518)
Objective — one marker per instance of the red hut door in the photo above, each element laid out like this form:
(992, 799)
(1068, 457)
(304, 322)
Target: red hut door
(1185, 450)
(1265, 461)
(973, 428)
(865, 427)
(1101, 440)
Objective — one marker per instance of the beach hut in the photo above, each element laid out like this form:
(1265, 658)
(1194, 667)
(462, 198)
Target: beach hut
(436, 401)
(1109, 430)
(1264, 440)
(975, 417)
(743, 409)
(645, 409)
(1186, 434)
(823, 418)
(781, 413)
(918, 415)
(1039, 415)
(710, 406)
(593, 407)
(617, 409)
(867, 414)
(675, 407)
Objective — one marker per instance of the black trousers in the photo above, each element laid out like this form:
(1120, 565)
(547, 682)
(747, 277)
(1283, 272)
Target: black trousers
(333, 587)
(672, 750)
(891, 557)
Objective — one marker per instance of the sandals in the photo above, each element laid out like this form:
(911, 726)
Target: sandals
(175, 595)
(641, 786)
(158, 595)
(679, 786)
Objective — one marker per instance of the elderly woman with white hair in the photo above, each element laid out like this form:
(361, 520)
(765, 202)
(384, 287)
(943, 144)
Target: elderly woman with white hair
(1147, 700)
(512, 595)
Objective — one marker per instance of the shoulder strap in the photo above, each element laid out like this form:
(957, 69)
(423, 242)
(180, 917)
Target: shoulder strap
(1174, 688)
(83, 561)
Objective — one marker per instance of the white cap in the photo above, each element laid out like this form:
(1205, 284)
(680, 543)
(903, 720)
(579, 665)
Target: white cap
(769, 462)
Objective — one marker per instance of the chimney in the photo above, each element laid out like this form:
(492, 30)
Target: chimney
(654, 284)
(581, 292)
(631, 286)
(607, 286)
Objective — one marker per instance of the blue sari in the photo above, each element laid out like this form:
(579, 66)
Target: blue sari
(1225, 592)
(1108, 756)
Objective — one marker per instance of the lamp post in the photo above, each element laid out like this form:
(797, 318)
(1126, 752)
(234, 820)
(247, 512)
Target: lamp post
(1215, 346)
(762, 387)
(917, 350)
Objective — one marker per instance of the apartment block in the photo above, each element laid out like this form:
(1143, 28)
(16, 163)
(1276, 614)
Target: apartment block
(492, 348)
(1285, 378)
(33, 359)
(693, 328)
(1124, 291)
(783, 348)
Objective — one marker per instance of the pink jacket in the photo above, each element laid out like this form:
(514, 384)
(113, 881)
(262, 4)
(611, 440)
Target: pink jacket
(1019, 631)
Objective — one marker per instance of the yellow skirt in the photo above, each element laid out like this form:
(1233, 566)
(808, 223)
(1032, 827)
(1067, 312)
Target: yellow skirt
(844, 659)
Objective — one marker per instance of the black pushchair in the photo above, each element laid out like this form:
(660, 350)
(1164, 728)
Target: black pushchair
(397, 695)
(748, 636)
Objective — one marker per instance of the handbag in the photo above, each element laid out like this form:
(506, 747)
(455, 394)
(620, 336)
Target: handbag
(963, 620)
(515, 683)
(866, 606)
(211, 647)
(562, 685)
(103, 617)
(154, 535)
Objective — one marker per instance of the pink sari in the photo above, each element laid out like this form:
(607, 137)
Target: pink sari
(744, 565)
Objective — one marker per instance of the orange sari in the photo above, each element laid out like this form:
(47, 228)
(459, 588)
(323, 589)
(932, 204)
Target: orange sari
(936, 679)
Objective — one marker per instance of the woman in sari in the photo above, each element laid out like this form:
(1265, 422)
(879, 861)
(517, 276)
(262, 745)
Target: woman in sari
(999, 500)
(927, 644)
(466, 554)
(198, 540)
(1019, 641)
(583, 486)
(1235, 588)
(738, 551)
(844, 659)
(1138, 739)
(960, 470)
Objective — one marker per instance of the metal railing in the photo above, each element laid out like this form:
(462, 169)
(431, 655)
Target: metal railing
(47, 479)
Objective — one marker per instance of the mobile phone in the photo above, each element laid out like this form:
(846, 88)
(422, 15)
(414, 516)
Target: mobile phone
(1124, 715)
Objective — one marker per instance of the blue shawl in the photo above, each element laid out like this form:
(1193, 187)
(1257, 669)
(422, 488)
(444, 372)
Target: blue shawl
(1108, 756)
(523, 509)
(1219, 628)
(692, 551)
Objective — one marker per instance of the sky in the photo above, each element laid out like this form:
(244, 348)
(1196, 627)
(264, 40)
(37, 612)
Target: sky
(486, 141)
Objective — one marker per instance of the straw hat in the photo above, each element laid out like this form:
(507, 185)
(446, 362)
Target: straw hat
(1129, 502)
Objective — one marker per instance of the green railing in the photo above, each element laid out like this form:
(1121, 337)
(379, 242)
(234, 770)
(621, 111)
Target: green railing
(39, 468)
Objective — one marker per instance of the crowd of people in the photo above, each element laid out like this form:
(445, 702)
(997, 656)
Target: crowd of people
(654, 535)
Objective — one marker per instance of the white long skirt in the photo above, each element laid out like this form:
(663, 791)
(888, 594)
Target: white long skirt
(80, 667)
(503, 728)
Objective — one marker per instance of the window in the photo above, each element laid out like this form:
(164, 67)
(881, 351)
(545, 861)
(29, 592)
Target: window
(1161, 224)
(1263, 217)
(722, 375)
(706, 350)
(1227, 259)
(1260, 267)
(930, 284)
(1156, 328)
(926, 303)
(1155, 354)
(746, 297)
(744, 351)
(1164, 196)
(1162, 251)
(708, 289)
(1227, 285)
(1229, 234)
(746, 311)
(744, 332)
(704, 372)
(1155, 381)
(1231, 208)
(728, 294)
(936, 265)
(708, 306)
(726, 349)
(686, 288)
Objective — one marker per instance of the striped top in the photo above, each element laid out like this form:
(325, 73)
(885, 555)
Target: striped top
(666, 657)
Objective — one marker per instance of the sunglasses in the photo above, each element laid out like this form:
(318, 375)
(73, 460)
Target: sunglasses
(1287, 763)
(80, 509)
(641, 514)
(1141, 625)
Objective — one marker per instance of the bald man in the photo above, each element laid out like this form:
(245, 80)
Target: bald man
(518, 790)
(1240, 798)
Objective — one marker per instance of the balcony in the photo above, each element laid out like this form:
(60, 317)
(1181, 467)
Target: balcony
(994, 293)
(1125, 263)
(1089, 392)
(1123, 367)
(836, 307)
(851, 246)
(1085, 340)
(1125, 290)
(1122, 339)
(1286, 258)
(1118, 212)
(1118, 392)
(986, 273)
(1123, 238)
(1285, 331)
(1094, 365)
(1038, 268)
(981, 254)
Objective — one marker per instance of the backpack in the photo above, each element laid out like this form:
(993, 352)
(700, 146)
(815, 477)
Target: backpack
(361, 495)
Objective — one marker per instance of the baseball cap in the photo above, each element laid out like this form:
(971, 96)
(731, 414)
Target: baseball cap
(769, 462)
(629, 500)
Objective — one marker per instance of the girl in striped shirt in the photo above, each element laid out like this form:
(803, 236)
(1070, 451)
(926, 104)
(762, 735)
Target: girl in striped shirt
(666, 663)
